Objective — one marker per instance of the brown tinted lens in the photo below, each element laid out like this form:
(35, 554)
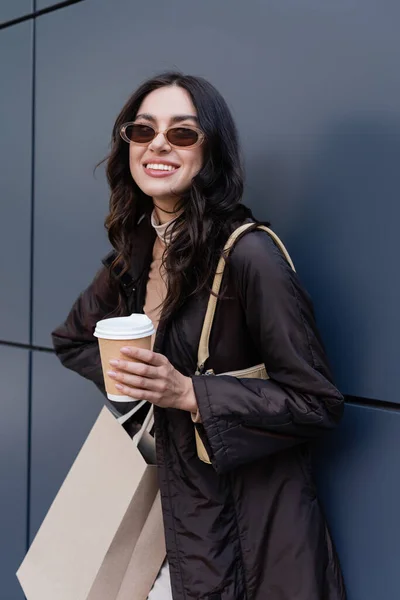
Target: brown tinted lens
(141, 134)
(182, 136)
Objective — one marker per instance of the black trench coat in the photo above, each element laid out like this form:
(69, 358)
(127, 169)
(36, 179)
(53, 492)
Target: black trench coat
(249, 526)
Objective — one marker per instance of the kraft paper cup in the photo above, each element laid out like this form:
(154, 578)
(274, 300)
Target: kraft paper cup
(115, 333)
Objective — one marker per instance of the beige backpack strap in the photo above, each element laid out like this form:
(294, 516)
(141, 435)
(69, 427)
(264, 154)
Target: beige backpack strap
(203, 352)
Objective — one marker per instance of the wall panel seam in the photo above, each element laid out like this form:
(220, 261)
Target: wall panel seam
(38, 13)
(31, 273)
(26, 346)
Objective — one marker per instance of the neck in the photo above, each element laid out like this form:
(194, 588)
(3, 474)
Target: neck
(165, 209)
(163, 230)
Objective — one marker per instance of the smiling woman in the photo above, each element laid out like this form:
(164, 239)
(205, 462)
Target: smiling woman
(164, 159)
(175, 153)
(247, 525)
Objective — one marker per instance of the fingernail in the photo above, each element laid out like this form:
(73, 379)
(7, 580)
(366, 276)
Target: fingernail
(114, 362)
(125, 349)
(111, 373)
(119, 386)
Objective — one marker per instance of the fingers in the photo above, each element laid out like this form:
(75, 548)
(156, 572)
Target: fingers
(139, 383)
(146, 356)
(138, 394)
(145, 380)
(139, 369)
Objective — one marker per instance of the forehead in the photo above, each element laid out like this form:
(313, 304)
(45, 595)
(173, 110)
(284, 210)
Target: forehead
(167, 102)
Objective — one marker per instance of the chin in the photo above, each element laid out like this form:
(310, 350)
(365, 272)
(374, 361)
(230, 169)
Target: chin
(157, 191)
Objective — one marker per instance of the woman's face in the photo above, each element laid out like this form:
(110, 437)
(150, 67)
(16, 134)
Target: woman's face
(163, 108)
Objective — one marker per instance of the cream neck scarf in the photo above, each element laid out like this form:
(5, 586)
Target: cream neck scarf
(163, 230)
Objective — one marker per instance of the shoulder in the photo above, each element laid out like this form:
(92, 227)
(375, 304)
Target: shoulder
(260, 270)
(256, 250)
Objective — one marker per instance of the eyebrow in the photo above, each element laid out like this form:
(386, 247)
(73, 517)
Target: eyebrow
(175, 119)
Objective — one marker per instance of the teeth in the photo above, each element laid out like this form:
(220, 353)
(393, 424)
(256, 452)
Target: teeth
(160, 167)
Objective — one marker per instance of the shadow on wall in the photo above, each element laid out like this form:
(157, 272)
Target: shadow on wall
(334, 200)
(335, 203)
(351, 212)
(346, 239)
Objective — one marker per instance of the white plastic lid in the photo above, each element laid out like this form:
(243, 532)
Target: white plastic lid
(124, 328)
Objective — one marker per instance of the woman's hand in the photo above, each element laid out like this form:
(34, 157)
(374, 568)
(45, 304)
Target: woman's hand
(153, 379)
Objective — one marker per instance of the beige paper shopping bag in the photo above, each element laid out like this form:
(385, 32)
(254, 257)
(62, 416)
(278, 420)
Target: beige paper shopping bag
(88, 537)
(148, 554)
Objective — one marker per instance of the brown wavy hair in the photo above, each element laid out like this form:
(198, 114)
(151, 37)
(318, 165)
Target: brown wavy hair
(209, 208)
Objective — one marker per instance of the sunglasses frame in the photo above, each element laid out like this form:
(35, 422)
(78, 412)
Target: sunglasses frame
(199, 141)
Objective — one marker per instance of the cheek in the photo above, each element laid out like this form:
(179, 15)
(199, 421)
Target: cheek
(135, 153)
(196, 161)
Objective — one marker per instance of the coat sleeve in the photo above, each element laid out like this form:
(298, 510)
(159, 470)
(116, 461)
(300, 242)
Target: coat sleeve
(247, 419)
(78, 349)
(73, 340)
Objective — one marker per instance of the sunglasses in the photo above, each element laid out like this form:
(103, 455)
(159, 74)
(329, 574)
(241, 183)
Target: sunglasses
(180, 137)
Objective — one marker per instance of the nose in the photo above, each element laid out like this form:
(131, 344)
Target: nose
(160, 143)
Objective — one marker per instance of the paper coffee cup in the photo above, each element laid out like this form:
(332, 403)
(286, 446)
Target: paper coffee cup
(115, 333)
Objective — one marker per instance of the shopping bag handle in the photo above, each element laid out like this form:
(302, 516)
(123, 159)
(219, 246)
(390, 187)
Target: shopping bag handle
(134, 410)
(147, 423)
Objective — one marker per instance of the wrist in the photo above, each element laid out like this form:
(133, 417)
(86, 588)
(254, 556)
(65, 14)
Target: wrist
(190, 402)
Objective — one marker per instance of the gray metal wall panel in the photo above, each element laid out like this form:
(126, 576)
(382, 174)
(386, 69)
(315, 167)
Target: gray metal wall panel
(64, 407)
(13, 9)
(13, 467)
(45, 3)
(71, 202)
(40, 4)
(358, 473)
(315, 89)
(15, 180)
